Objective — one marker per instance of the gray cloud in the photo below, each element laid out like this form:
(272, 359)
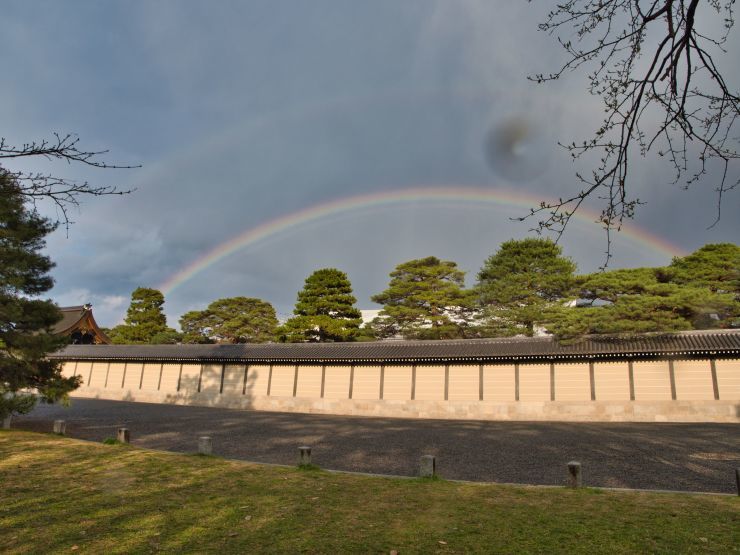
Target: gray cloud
(243, 113)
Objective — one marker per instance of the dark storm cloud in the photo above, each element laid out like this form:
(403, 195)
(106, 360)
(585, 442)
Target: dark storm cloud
(243, 113)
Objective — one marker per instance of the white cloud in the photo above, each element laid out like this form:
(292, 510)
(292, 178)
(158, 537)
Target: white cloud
(108, 310)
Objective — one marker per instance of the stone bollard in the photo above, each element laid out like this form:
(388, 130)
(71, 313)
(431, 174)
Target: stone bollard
(123, 435)
(6, 422)
(60, 427)
(428, 466)
(304, 455)
(737, 479)
(575, 478)
(205, 445)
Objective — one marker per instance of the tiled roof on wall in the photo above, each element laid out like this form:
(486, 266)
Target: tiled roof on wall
(693, 343)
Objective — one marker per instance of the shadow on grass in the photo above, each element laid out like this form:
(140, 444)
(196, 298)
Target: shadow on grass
(309, 468)
(114, 441)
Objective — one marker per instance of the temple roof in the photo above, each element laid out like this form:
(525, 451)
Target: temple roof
(78, 318)
(71, 316)
(687, 344)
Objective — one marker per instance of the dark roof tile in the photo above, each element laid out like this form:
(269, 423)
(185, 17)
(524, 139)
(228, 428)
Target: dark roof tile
(679, 343)
(71, 316)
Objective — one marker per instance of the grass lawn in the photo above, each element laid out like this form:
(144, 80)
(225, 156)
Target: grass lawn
(59, 495)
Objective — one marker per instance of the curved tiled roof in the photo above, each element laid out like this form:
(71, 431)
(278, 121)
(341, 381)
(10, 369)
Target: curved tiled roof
(78, 317)
(71, 316)
(693, 343)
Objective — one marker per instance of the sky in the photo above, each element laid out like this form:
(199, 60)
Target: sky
(278, 138)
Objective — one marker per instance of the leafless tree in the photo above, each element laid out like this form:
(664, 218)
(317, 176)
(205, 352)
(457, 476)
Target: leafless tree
(654, 68)
(64, 193)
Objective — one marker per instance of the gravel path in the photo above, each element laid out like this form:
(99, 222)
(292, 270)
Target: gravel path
(692, 457)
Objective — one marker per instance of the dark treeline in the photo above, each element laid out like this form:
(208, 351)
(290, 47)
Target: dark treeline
(525, 288)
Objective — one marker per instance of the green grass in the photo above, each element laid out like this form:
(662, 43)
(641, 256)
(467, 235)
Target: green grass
(57, 493)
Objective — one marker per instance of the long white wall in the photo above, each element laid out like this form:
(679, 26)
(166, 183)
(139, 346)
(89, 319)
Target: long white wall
(664, 390)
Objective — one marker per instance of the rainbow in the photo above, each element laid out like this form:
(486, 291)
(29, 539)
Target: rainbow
(499, 196)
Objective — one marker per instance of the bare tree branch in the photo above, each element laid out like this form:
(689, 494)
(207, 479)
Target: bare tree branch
(62, 192)
(662, 91)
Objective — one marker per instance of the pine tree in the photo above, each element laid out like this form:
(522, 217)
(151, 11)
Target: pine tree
(425, 299)
(522, 285)
(682, 296)
(145, 321)
(715, 266)
(231, 320)
(325, 310)
(25, 320)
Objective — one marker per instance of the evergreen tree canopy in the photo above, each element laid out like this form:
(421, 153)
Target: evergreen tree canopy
(715, 266)
(26, 321)
(521, 285)
(425, 299)
(659, 307)
(612, 285)
(366, 333)
(648, 299)
(145, 321)
(231, 320)
(324, 311)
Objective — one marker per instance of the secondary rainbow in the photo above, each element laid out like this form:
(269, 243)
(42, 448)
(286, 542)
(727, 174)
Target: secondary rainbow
(498, 196)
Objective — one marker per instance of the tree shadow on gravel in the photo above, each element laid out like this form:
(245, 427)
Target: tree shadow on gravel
(695, 457)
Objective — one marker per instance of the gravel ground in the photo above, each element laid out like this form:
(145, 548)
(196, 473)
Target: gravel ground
(691, 457)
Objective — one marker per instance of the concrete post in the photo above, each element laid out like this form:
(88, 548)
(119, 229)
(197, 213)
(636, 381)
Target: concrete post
(60, 427)
(6, 422)
(124, 436)
(205, 445)
(575, 477)
(304, 455)
(428, 466)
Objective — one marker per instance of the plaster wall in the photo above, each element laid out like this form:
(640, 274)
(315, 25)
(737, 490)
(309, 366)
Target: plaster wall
(98, 374)
(572, 382)
(464, 382)
(534, 382)
(430, 382)
(499, 382)
(116, 372)
(189, 379)
(309, 381)
(336, 385)
(728, 379)
(283, 376)
(611, 381)
(170, 377)
(366, 384)
(258, 376)
(693, 380)
(397, 382)
(652, 380)
(132, 379)
(69, 369)
(200, 384)
(233, 379)
(83, 370)
(150, 381)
